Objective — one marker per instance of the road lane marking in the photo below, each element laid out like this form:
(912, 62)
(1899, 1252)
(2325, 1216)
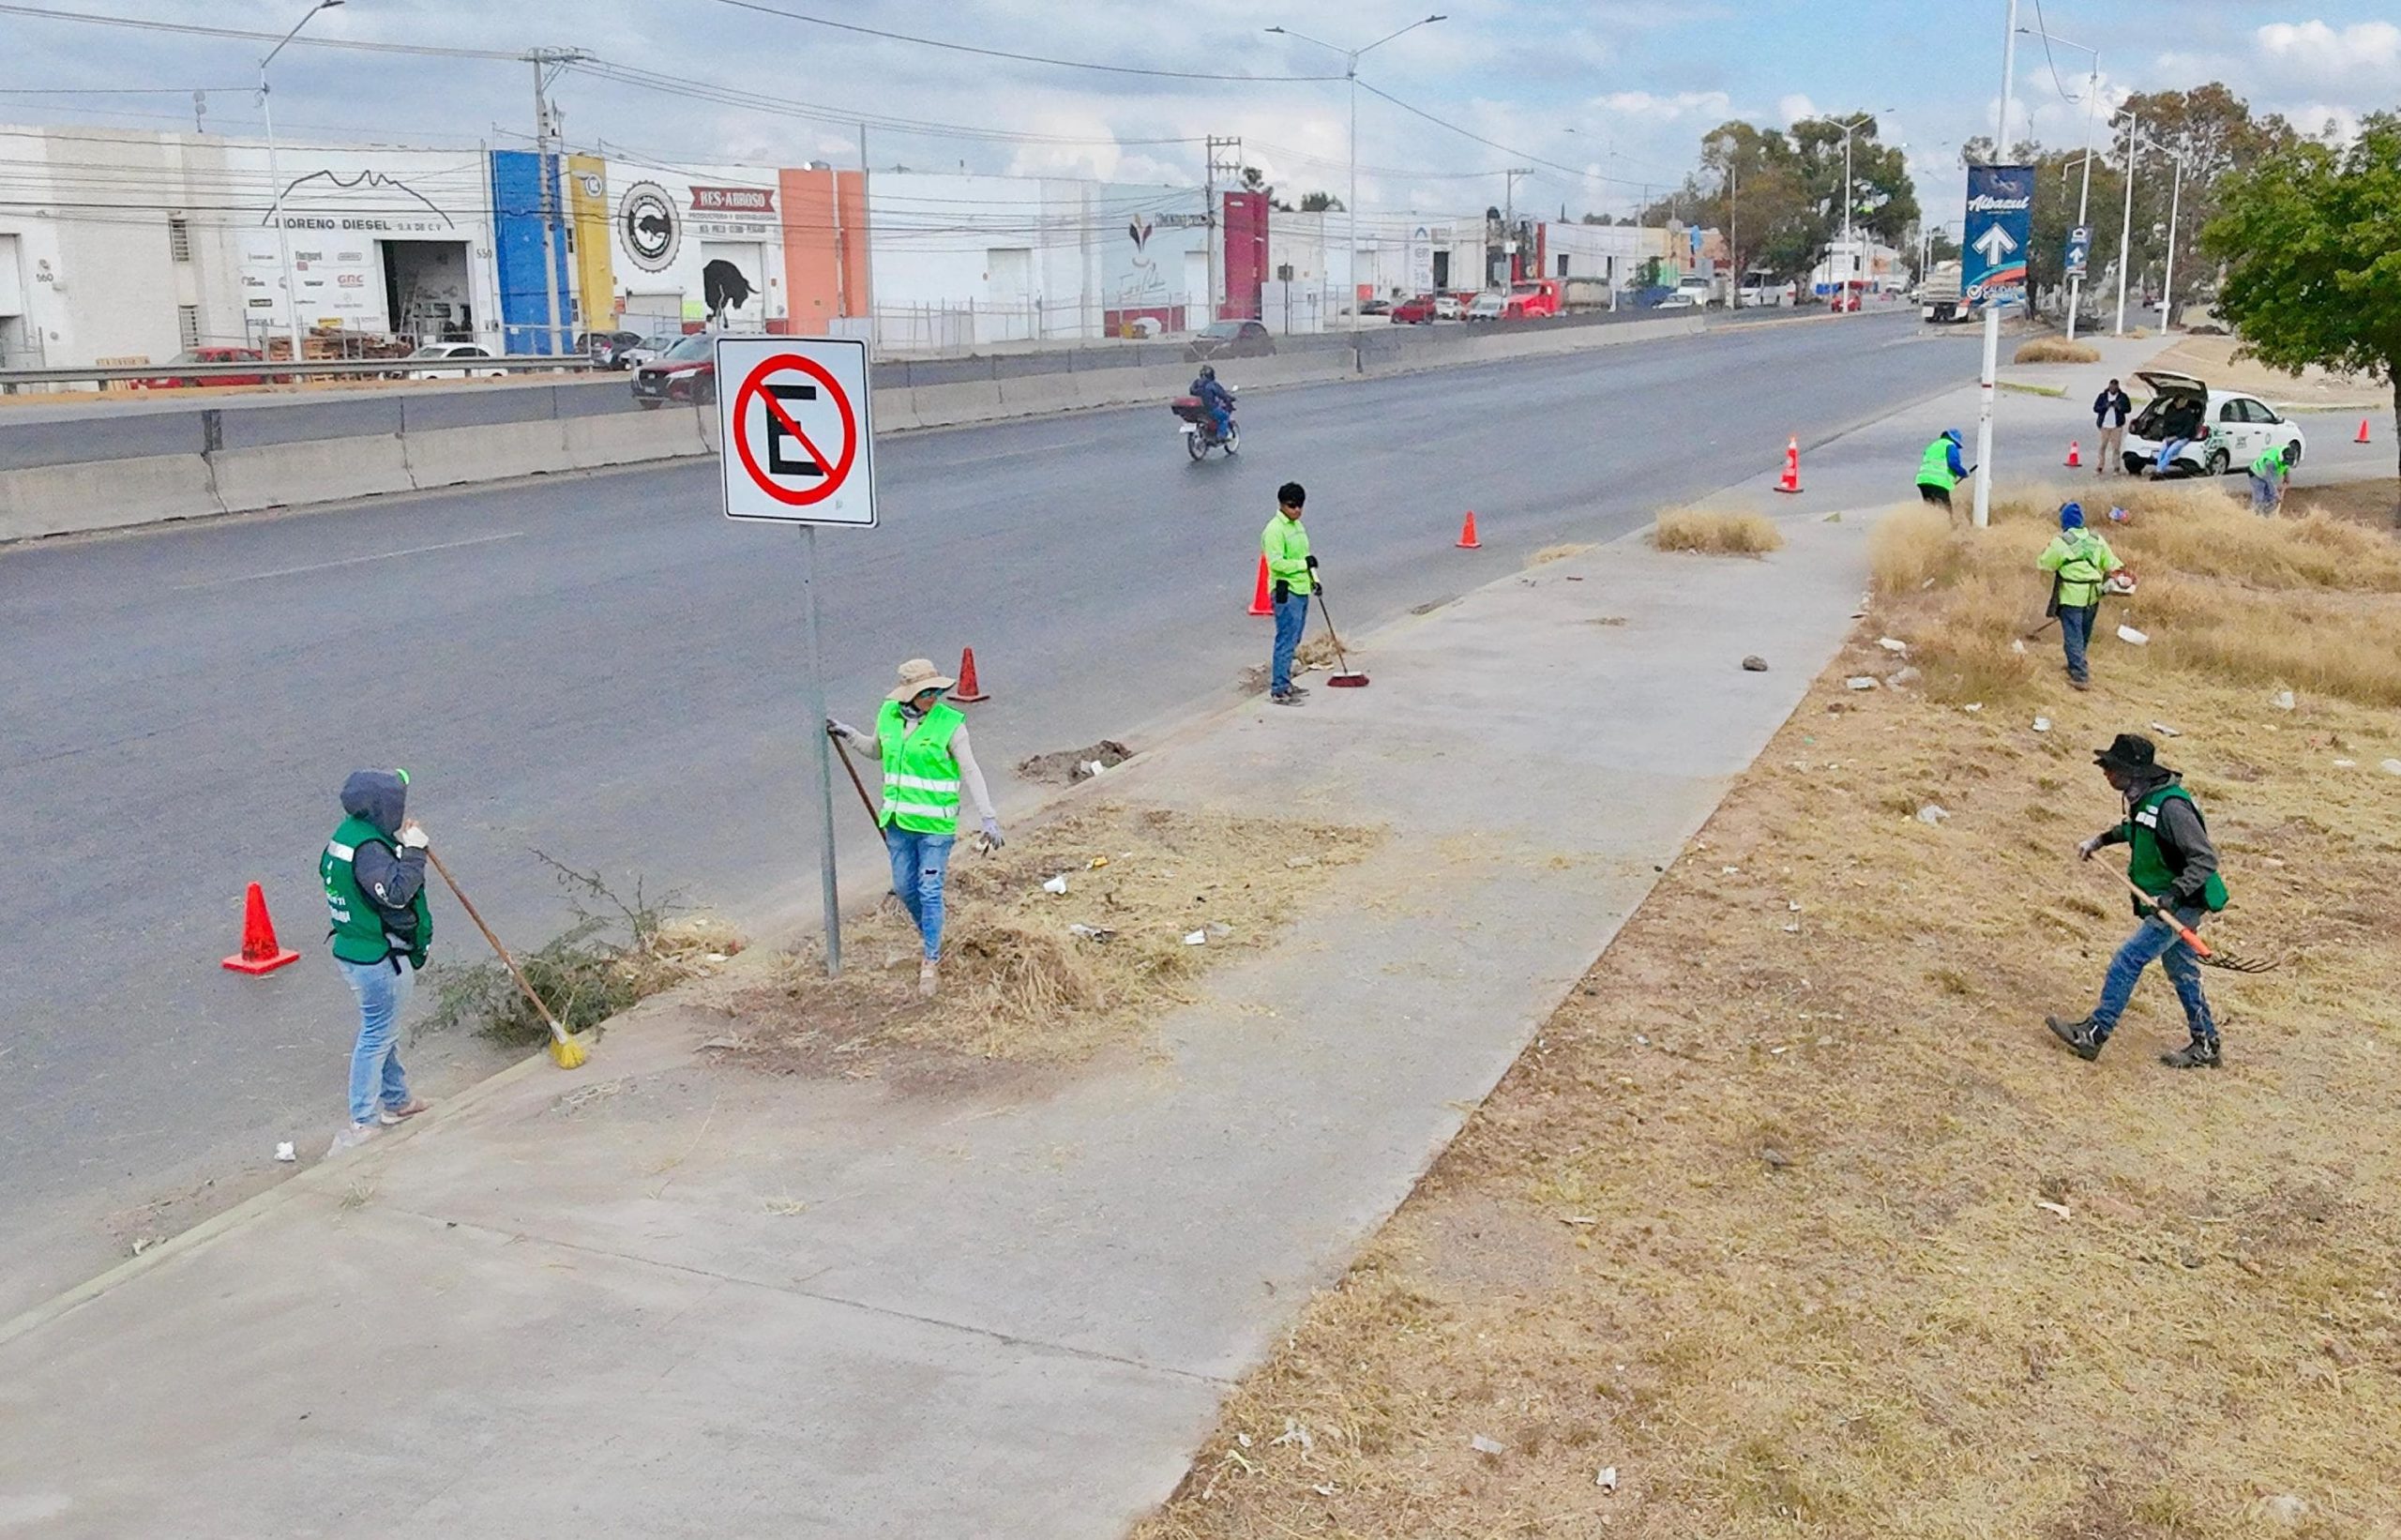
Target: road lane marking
(351, 561)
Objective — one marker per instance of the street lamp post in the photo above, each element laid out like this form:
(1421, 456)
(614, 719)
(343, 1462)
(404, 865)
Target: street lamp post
(2126, 223)
(1351, 57)
(1849, 253)
(274, 176)
(2084, 198)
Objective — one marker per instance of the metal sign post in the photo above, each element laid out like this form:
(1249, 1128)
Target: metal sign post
(796, 446)
(2001, 205)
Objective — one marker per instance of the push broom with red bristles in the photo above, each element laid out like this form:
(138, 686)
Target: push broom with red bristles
(1346, 678)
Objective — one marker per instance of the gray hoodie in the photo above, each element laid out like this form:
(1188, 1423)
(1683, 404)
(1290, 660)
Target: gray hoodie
(392, 881)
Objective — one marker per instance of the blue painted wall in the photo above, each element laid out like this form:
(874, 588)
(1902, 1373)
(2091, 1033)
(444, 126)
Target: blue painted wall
(517, 231)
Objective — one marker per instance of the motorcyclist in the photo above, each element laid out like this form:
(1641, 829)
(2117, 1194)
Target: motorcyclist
(1217, 399)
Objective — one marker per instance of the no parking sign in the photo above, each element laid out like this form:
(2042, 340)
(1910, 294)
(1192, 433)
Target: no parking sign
(798, 438)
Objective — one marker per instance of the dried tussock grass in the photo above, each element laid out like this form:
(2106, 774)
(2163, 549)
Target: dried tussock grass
(1757, 1222)
(1017, 984)
(2312, 601)
(2055, 350)
(1717, 532)
(1558, 553)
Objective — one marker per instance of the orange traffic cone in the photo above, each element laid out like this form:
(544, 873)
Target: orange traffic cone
(1467, 540)
(259, 953)
(968, 690)
(2075, 454)
(1260, 603)
(1791, 479)
(2363, 438)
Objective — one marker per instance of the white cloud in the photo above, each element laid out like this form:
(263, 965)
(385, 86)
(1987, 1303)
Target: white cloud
(1716, 104)
(1792, 108)
(2366, 49)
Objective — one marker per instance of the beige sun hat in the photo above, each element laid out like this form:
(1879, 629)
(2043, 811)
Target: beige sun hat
(918, 676)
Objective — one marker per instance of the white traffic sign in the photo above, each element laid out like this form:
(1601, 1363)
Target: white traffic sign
(797, 441)
(1994, 244)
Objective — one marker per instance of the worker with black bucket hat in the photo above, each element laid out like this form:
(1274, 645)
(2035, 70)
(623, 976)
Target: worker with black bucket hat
(2174, 863)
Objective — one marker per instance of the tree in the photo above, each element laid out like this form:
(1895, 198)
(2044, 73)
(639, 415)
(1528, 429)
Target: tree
(2213, 130)
(2310, 237)
(1321, 203)
(1255, 180)
(1760, 200)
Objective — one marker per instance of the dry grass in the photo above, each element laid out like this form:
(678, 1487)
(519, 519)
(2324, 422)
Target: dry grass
(2311, 603)
(1758, 1222)
(2055, 350)
(1017, 982)
(1558, 553)
(1717, 531)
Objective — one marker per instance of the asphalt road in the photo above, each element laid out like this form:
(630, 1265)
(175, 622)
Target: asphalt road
(605, 669)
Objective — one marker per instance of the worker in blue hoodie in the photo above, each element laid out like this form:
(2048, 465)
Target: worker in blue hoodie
(373, 869)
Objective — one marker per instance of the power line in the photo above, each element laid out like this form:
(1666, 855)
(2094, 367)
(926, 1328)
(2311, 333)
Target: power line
(192, 30)
(1580, 176)
(1020, 58)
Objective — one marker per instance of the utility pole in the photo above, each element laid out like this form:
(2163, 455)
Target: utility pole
(547, 63)
(200, 111)
(1225, 153)
(1509, 218)
(1992, 312)
(2167, 278)
(866, 244)
(275, 177)
(2126, 225)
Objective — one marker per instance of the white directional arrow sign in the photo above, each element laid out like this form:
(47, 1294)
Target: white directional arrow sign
(1994, 244)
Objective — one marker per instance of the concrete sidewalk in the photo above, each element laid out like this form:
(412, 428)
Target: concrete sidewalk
(665, 1296)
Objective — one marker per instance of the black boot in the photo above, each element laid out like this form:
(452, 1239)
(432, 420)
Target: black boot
(2200, 1053)
(2078, 1034)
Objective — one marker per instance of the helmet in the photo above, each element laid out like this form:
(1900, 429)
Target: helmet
(1208, 372)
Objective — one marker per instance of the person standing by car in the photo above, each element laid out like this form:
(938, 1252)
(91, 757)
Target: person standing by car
(374, 870)
(2110, 410)
(1939, 470)
(1293, 572)
(922, 740)
(2078, 562)
(2269, 474)
(2174, 862)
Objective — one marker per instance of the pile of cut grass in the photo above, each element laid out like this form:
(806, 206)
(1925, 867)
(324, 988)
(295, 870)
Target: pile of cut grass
(2055, 350)
(2311, 603)
(1019, 982)
(1717, 531)
(1558, 552)
(1796, 1220)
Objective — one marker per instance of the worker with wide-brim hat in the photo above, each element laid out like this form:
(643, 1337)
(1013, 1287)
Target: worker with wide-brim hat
(922, 740)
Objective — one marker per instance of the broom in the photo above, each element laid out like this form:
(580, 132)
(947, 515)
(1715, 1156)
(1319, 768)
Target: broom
(565, 1052)
(1347, 678)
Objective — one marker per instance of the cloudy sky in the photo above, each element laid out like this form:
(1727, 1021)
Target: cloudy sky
(1598, 96)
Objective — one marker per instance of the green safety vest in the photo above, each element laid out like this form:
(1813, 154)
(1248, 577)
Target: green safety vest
(1286, 548)
(2085, 562)
(2270, 466)
(1934, 469)
(358, 930)
(920, 777)
(2149, 868)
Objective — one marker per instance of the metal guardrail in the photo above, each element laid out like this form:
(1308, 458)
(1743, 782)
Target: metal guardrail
(278, 372)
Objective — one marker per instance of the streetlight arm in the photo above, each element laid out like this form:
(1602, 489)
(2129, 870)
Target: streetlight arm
(1423, 21)
(311, 14)
(1287, 32)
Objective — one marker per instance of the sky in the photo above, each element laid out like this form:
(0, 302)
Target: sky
(1597, 97)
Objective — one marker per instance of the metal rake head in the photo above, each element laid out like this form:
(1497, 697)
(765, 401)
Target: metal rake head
(2234, 964)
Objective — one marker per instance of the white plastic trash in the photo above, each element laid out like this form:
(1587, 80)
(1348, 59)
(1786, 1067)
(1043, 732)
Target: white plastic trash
(1891, 644)
(2041, 724)
(2127, 633)
(1056, 885)
(1197, 938)
(284, 1152)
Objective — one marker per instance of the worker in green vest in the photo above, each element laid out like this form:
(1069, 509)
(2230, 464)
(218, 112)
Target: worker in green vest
(1293, 571)
(2079, 563)
(2174, 862)
(374, 870)
(1939, 469)
(922, 740)
(2269, 474)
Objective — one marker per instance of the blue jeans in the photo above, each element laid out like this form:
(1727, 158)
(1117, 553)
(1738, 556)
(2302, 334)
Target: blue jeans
(1225, 421)
(2265, 495)
(920, 863)
(1292, 619)
(2076, 635)
(376, 1077)
(2157, 943)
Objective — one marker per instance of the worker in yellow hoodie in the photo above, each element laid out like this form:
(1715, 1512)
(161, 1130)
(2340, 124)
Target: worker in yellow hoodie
(2079, 563)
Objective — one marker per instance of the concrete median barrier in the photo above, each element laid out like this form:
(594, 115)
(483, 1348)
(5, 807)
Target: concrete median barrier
(104, 494)
(450, 456)
(293, 475)
(631, 438)
(948, 405)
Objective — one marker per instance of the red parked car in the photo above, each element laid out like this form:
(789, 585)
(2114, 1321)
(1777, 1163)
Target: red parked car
(207, 356)
(684, 373)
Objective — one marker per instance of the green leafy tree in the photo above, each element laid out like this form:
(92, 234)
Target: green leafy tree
(2310, 242)
(1760, 200)
(1321, 203)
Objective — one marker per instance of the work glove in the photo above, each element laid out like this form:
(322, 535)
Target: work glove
(1283, 590)
(1312, 561)
(843, 730)
(413, 836)
(2085, 850)
(992, 839)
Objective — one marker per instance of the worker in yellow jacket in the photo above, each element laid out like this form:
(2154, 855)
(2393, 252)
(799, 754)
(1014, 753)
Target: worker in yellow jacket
(1293, 572)
(2079, 563)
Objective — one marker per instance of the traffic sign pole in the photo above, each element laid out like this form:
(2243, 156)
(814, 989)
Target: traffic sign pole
(797, 447)
(1992, 312)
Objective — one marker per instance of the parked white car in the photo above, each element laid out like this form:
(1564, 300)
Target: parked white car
(445, 351)
(1491, 305)
(2221, 430)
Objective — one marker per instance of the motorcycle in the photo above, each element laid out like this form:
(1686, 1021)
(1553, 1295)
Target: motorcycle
(1200, 428)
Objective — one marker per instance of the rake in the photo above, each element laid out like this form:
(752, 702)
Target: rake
(2201, 949)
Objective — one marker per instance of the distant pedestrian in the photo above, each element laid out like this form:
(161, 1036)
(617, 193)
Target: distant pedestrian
(373, 869)
(2269, 474)
(2110, 410)
(2174, 862)
(1293, 572)
(1939, 470)
(2078, 562)
(922, 740)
